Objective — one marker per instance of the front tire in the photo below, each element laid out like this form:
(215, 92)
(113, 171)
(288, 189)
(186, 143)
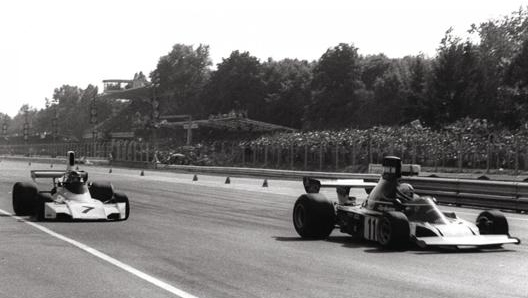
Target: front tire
(122, 198)
(492, 222)
(313, 216)
(40, 205)
(24, 198)
(393, 230)
(102, 191)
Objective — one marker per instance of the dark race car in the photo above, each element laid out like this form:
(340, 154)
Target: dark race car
(393, 215)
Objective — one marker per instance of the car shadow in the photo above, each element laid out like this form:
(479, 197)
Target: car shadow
(35, 220)
(433, 251)
(346, 241)
(373, 247)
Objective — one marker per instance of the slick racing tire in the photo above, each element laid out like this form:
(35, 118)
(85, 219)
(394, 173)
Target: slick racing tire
(40, 200)
(122, 198)
(314, 216)
(102, 191)
(492, 222)
(24, 198)
(393, 230)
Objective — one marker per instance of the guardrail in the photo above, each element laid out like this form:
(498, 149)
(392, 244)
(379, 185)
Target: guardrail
(461, 192)
(506, 195)
(268, 173)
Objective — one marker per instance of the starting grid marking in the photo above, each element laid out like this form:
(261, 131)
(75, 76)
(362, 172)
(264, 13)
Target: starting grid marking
(161, 284)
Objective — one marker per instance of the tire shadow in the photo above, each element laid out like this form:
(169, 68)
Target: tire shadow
(346, 241)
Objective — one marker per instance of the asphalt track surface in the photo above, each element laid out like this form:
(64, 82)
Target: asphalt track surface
(210, 239)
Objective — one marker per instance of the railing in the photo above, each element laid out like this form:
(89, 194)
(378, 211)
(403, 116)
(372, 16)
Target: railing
(337, 158)
(503, 195)
(118, 151)
(465, 192)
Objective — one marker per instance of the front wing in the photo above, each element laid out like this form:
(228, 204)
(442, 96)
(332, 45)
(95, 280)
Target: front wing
(466, 241)
(116, 211)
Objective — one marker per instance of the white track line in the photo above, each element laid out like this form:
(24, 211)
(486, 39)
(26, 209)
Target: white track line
(107, 258)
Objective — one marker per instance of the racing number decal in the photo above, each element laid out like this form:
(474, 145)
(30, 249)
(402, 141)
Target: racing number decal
(88, 209)
(371, 227)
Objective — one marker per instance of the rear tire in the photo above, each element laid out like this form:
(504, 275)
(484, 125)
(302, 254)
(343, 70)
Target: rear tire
(393, 230)
(102, 191)
(40, 201)
(492, 222)
(24, 198)
(122, 198)
(314, 216)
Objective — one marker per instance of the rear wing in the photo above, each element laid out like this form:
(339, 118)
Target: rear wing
(312, 185)
(54, 174)
(46, 174)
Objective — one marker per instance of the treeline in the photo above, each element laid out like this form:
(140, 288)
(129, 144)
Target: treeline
(484, 76)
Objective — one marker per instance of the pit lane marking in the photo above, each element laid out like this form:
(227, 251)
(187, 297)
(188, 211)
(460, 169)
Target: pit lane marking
(161, 284)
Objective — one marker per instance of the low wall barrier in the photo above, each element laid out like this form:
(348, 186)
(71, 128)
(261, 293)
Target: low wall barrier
(268, 173)
(461, 192)
(508, 195)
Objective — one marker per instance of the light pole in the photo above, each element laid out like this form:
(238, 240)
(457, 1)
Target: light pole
(54, 129)
(93, 121)
(26, 130)
(155, 117)
(4, 132)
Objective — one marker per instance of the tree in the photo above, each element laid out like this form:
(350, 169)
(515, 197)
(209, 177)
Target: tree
(287, 91)
(337, 89)
(417, 105)
(373, 67)
(389, 97)
(454, 88)
(500, 41)
(16, 126)
(237, 84)
(516, 81)
(181, 75)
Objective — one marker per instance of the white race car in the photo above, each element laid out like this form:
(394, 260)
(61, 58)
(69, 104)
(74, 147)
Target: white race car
(71, 197)
(393, 215)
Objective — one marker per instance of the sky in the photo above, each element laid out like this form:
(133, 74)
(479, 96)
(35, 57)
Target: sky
(47, 44)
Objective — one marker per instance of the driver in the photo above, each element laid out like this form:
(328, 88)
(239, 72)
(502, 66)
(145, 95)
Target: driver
(405, 192)
(73, 176)
(74, 182)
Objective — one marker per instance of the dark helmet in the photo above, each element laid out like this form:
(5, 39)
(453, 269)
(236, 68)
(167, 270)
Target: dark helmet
(74, 176)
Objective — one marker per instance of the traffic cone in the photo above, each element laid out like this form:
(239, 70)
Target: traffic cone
(51, 165)
(228, 181)
(265, 184)
(142, 173)
(195, 178)
(110, 171)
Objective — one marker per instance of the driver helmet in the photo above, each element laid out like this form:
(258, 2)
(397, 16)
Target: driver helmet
(74, 176)
(405, 191)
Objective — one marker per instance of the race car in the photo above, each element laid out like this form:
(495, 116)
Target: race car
(72, 197)
(393, 215)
